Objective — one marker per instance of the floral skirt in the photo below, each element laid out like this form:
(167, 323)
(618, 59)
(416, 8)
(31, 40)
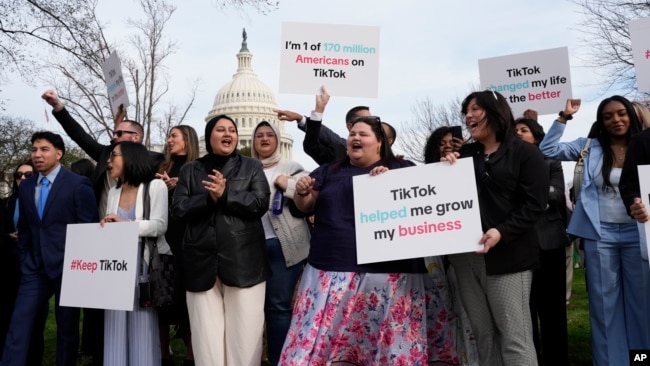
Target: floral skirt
(368, 319)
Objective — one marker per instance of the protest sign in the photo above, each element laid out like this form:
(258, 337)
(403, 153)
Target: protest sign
(539, 80)
(344, 58)
(416, 212)
(100, 266)
(117, 94)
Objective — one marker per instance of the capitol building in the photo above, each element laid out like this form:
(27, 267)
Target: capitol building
(247, 100)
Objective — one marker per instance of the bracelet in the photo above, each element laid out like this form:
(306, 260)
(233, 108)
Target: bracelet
(567, 117)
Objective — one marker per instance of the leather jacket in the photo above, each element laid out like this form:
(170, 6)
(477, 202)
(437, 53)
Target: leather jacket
(223, 239)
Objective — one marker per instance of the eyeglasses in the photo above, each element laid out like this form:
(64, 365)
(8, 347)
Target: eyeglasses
(261, 135)
(119, 133)
(113, 154)
(18, 175)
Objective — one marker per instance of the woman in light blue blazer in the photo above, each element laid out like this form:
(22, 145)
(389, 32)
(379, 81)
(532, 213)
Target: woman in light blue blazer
(612, 253)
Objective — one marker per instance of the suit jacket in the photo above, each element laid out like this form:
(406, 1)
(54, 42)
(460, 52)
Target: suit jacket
(94, 149)
(322, 150)
(41, 242)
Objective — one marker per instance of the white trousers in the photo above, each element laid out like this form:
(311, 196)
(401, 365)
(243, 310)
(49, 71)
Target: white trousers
(227, 325)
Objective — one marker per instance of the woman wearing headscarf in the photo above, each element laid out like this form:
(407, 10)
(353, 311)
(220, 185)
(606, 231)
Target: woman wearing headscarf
(287, 237)
(222, 197)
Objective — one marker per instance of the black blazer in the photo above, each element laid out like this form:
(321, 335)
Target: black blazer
(225, 239)
(318, 149)
(512, 192)
(551, 227)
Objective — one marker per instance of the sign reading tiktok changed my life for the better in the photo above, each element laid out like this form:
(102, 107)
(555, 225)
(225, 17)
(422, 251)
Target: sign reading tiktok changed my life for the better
(539, 80)
(416, 212)
(345, 58)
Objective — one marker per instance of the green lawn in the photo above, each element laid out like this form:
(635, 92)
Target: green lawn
(578, 326)
(578, 322)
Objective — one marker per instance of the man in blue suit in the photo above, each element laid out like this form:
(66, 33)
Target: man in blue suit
(49, 201)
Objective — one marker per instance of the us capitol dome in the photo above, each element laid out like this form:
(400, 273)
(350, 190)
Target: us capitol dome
(247, 100)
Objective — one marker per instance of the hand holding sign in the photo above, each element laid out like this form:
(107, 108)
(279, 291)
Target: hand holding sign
(638, 211)
(489, 239)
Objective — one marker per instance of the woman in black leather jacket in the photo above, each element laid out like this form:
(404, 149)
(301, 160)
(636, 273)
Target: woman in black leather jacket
(222, 197)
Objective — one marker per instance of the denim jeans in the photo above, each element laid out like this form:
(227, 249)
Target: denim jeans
(280, 287)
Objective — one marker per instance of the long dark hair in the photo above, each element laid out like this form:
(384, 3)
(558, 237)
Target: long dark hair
(598, 131)
(136, 164)
(14, 186)
(432, 147)
(535, 128)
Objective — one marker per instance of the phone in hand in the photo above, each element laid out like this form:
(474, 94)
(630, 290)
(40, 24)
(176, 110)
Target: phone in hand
(457, 131)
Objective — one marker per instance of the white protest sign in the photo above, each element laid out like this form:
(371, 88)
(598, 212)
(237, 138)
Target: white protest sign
(539, 80)
(344, 58)
(639, 30)
(417, 212)
(644, 184)
(100, 266)
(117, 94)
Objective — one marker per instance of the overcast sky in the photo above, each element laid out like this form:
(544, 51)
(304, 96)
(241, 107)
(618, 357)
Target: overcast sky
(428, 49)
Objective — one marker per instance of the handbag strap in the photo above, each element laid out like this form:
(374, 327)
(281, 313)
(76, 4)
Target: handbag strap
(146, 213)
(584, 150)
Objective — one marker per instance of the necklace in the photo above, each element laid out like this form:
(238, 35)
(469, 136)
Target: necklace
(621, 152)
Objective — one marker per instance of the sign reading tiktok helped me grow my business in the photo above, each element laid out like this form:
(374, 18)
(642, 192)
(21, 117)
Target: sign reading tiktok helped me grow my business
(417, 212)
(539, 80)
(344, 58)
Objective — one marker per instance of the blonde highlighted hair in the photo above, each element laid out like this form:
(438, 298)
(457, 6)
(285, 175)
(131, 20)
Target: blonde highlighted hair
(191, 140)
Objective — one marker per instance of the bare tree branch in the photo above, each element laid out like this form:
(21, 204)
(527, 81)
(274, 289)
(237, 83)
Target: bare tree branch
(427, 116)
(606, 34)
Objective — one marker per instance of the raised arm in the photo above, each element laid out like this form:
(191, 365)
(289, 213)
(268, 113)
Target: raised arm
(71, 127)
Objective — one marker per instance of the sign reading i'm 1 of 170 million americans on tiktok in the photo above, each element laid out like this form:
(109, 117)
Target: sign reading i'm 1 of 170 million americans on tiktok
(344, 58)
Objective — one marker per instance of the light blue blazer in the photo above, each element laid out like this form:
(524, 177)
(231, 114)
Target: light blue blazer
(585, 220)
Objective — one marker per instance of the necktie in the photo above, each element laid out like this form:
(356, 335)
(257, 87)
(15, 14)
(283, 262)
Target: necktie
(45, 190)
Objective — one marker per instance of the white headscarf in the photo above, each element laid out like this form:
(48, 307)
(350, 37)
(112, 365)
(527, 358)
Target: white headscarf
(276, 156)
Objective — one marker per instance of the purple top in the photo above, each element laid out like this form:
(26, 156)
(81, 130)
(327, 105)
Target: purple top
(333, 240)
